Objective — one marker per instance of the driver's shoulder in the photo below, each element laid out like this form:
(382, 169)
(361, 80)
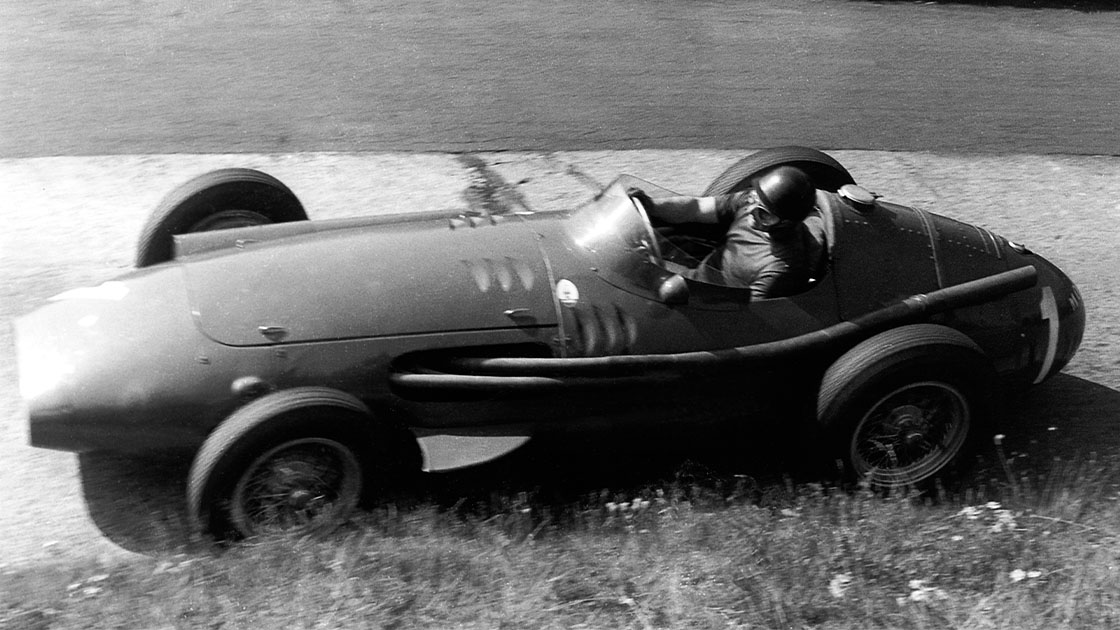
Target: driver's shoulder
(826, 217)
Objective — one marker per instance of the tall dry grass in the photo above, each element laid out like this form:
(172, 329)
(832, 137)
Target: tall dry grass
(1021, 550)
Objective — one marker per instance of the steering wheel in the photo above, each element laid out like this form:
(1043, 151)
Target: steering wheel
(652, 245)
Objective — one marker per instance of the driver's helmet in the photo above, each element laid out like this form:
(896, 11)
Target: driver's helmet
(787, 192)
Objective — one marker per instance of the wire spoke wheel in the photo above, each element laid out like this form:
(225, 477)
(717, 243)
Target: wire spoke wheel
(301, 486)
(910, 434)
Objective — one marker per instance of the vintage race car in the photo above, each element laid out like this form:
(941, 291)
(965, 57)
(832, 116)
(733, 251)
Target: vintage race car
(307, 365)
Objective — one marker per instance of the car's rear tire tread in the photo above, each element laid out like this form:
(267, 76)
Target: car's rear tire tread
(823, 169)
(908, 354)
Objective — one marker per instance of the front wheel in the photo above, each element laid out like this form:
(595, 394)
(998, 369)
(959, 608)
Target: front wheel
(218, 200)
(298, 461)
(901, 407)
(304, 484)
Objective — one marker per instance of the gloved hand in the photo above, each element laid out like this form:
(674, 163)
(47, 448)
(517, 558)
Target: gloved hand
(641, 196)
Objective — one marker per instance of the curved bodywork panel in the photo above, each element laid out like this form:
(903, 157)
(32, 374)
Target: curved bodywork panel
(108, 364)
(405, 278)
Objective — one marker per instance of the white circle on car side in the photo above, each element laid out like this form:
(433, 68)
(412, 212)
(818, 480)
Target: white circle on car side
(566, 292)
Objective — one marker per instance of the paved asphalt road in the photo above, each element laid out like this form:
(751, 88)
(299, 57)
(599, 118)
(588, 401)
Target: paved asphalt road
(73, 221)
(276, 80)
(178, 76)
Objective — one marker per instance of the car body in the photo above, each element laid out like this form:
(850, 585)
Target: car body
(450, 339)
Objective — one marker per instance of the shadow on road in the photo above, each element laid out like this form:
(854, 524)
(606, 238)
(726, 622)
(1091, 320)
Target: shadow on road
(139, 504)
(1066, 417)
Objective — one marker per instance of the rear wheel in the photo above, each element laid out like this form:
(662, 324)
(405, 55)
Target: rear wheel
(825, 172)
(910, 434)
(218, 200)
(901, 407)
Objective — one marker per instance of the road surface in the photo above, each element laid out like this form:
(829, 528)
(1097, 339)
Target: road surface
(106, 105)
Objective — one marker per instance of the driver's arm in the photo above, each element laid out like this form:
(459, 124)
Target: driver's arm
(683, 209)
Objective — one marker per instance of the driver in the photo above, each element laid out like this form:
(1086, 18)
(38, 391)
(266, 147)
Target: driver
(767, 247)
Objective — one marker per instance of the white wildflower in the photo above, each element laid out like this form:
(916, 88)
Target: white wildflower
(969, 512)
(1018, 575)
(1005, 520)
(839, 584)
(919, 592)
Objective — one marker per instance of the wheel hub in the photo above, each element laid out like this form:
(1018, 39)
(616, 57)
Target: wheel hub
(301, 499)
(308, 484)
(911, 433)
(301, 485)
(909, 424)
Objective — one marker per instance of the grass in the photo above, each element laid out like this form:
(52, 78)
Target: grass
(1021, 550)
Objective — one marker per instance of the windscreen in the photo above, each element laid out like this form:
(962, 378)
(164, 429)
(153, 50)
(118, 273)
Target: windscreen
(625, 242)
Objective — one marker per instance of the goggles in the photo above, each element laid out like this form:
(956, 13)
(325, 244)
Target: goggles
(763, 217)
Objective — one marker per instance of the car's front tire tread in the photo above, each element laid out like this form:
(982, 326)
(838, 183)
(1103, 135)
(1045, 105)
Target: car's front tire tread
(291, 415)
(249, 196)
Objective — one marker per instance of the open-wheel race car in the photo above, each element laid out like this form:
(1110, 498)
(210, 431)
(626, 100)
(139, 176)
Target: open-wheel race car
(306, 365)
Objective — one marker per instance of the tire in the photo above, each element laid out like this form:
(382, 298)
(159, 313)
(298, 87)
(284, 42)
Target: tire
(826, 172)
(901, 407)
(299, 461)
(222, 199)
